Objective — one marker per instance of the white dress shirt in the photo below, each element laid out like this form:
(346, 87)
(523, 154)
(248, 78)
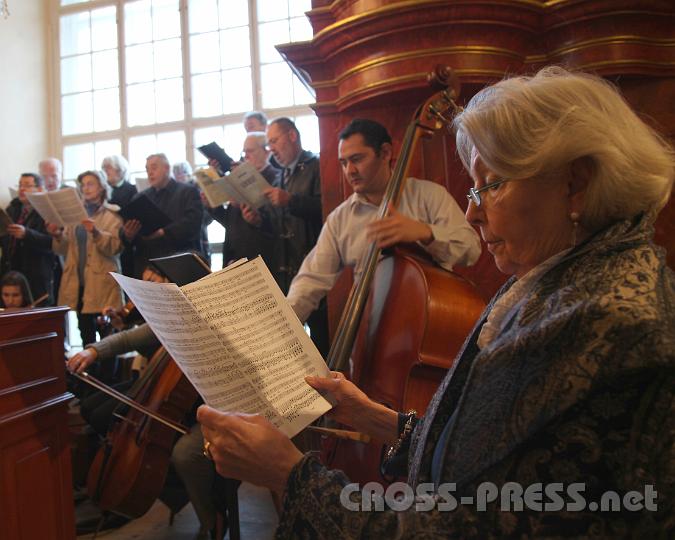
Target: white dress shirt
(343, 241)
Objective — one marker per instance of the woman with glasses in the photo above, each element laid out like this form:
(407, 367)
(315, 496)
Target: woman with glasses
(557, 418)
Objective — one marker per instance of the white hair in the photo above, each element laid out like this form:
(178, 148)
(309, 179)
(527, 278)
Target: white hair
(119, 163)
(527, 127)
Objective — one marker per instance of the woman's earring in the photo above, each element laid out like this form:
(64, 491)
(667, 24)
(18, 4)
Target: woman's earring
(574, 216)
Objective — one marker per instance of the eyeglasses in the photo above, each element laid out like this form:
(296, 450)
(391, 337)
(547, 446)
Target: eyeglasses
(474, 194)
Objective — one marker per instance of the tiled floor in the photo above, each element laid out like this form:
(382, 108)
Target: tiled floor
(257, 516)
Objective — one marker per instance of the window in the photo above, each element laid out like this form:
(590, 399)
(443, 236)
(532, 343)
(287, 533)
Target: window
(145, 76)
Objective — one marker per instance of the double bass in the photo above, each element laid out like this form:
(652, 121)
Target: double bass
(405, 318)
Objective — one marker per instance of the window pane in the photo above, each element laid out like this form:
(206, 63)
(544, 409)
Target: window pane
(71, 2)
(203, 15)
(77, 158)
(299, 7)
(168, 60)
(215, 232)
(75, 36)
(169, 100)
(139, 149)
(76, 114)
(301, 29)
(76, 74)
(308, 126)
(106, 148)
(272, 10)
(139, 63)
(237, 90)
(233, 13)
(271, 34)
(205, 136)
(277, 85)
(233, 138)
(165, 19)
(204, 53)
(103, 29)
(300, 92)
(207, 95)
(137, 22)
(106, 110)
(172, 144)
(140, 98)
(104, 65)
(234, 48)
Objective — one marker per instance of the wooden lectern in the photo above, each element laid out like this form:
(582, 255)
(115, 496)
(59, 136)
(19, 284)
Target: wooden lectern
(35, 472)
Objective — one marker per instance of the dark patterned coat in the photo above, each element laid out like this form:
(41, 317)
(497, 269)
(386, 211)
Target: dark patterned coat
(577, 388)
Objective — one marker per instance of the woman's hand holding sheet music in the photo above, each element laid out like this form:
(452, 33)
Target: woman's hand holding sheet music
(354, 408)
(248, 447)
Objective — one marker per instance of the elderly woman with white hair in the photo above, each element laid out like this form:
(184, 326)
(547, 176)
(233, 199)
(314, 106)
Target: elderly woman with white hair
(91, 252)
(557, 418)
(116, 169)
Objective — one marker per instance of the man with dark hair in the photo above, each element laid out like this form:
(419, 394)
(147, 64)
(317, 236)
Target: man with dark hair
(180, 202)
(297, 198)
(27, 247)
(426, 214)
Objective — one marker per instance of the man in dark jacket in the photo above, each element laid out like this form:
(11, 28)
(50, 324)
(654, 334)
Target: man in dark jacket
(297, 198)
(180, 203)
(27, 247)
(244, 239)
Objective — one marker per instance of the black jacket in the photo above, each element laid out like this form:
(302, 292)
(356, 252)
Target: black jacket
(32, 255)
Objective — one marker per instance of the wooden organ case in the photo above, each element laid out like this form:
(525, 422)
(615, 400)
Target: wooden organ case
(35, 468)
(369, 58)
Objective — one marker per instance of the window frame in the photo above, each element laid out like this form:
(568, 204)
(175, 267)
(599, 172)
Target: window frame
(189, 123)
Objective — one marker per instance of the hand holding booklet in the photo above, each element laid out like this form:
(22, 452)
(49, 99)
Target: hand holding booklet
(63, 206)
(238, 341)
(244, 185)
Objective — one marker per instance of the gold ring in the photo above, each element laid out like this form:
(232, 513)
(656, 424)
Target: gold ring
(207, 450)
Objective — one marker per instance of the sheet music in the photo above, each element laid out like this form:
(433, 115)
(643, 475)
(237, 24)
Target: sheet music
(245, 306)
(216, 190)
(226, 334)
(199, 353)
(63, 207)
(249, 184)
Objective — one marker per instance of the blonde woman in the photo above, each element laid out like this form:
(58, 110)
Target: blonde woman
(91, 251)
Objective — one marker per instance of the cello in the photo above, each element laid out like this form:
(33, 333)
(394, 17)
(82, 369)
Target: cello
(130, 469)
(405, 318)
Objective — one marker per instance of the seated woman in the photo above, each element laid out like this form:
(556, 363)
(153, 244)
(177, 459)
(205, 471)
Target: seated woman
(15, 291)
(567, 382)
(91, 251)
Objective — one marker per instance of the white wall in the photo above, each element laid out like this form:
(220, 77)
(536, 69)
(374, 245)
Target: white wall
(24, 110)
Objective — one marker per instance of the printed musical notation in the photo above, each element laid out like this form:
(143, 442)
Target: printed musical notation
(238, 341)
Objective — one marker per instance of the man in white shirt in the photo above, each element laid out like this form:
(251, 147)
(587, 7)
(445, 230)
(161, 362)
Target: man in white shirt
(427, 214)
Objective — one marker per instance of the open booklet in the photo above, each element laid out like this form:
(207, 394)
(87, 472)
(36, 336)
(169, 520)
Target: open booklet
(238, 341)
(244, 185)
(63, 206)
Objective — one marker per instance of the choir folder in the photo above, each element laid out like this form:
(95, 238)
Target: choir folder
(147, 212)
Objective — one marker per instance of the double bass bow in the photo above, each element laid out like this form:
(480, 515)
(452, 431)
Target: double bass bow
(405, 318)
